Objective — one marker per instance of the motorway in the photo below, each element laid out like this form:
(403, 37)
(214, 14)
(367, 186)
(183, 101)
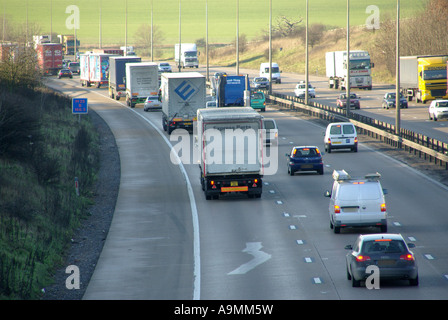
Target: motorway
(167, 242)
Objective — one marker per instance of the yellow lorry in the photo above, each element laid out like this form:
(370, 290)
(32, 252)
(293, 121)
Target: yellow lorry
(424, 77)
(68, 44)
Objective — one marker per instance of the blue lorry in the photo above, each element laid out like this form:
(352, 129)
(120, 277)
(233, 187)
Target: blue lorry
(117, 75)
(230, 90)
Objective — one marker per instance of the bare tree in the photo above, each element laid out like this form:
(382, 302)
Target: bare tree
(424, 34)
(143, 37)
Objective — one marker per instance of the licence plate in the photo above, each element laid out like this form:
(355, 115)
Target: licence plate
(234, 183)
(336, 142)
(307, 166)
(187, 123)
(384, 263)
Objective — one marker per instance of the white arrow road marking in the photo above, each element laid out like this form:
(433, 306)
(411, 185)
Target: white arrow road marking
(252, 248)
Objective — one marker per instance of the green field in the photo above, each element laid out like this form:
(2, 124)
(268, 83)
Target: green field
(253, 16)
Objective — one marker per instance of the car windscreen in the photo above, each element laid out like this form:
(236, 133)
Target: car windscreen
(384, 246)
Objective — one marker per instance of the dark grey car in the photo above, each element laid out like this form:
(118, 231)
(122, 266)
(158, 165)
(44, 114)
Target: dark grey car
(260, 83)
(388, 252)
(389, 101)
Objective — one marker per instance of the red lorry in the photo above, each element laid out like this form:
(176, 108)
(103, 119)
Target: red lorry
(49, 56)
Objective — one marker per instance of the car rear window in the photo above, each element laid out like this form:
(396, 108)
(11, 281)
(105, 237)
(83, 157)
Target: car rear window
(257, 95)
(305, 152)
(360, 191)
(269, 124)
(384, 246)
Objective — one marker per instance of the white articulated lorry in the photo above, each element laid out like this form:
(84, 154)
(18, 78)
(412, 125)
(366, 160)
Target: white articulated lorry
(188, 55)
(229, 145)
(142, 81)
(360, 69)
(183, 93)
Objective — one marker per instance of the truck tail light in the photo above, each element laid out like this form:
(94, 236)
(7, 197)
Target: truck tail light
(337, 209)
(356, 139)
(329, 141)
(254, 185)
(383, 207)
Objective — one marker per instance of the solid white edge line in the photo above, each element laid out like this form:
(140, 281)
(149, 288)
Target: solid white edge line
(194, 211)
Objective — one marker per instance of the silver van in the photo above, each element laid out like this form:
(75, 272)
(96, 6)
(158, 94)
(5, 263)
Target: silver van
(357, 202)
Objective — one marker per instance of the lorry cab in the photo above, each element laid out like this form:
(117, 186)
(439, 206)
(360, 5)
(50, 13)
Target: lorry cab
(276, 73)
(357, 202)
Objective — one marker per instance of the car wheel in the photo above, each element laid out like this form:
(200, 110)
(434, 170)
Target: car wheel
(429, 115)
(435, 118)
(355, 149)
(291, 172)
(321, 171)
(413, 282)
(329, 149)
(355, 283)
(383, 229)
(336, 230)
(349, 277)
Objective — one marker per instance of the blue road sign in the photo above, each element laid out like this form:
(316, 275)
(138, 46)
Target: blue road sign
(80, 106)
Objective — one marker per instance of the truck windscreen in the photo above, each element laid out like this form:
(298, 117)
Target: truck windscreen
(362, 64)
(434, 74)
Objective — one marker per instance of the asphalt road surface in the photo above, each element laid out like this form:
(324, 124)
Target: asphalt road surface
(167, 242)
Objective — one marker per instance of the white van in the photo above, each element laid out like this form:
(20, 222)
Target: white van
(276, 73)
(357, 202)
(341, 135)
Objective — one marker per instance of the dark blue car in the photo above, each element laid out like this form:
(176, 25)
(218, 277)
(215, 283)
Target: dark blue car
(305, 158)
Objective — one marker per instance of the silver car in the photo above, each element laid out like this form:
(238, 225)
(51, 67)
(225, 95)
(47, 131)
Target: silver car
(164, 67)
(152, 103)
(387, 253)
(438, 109)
